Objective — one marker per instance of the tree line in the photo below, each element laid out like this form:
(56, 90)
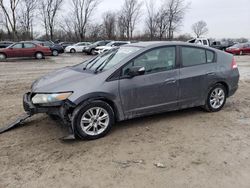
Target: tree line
(19, 18)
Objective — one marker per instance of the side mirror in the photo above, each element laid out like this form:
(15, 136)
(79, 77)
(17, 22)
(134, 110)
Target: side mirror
(136, 71)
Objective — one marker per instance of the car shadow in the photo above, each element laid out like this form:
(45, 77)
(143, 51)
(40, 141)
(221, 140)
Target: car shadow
(140, 122)
(24, 59)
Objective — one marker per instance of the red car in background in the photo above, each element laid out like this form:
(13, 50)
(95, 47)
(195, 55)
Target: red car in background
(239, 49)
(25, 49)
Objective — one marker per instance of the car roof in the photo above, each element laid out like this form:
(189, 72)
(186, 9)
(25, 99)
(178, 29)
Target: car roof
(162, 43)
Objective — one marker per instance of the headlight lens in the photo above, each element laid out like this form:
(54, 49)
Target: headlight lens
(50, 98)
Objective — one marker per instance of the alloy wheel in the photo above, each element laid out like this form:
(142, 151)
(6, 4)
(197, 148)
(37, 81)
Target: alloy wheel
(217, 98)
(95, 121)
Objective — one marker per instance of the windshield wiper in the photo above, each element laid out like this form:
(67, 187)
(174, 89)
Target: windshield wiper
(104, 63)
(85, 67)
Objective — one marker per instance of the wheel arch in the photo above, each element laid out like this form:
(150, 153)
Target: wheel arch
(4, 54)
(39, 52)
(105, 99)
(225, 84)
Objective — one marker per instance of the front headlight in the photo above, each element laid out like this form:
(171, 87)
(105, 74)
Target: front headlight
(50, 98)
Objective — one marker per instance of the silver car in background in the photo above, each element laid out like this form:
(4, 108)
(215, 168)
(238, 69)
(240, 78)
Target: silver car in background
(134, 80)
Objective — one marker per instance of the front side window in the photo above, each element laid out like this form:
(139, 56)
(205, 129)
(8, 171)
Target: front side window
(193, 56)
(157, 60)
(19, 45)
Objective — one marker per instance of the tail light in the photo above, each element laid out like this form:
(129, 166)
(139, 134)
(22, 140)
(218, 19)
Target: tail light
(234, 64)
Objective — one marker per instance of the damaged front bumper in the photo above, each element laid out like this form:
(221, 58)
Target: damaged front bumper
(60, 109)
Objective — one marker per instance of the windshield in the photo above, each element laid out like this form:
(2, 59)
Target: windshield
(110, 58)
(237, 46)
(110, 44)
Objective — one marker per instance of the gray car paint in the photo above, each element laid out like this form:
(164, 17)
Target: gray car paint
(145, 94)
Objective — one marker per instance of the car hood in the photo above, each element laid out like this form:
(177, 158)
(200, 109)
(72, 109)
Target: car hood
(103, 47)
(65, 79)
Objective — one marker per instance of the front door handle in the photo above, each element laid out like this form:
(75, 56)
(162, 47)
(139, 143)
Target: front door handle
(170, 81)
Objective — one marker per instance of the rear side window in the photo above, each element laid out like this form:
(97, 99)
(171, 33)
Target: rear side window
(193, 56)
(29, 45)
(205, 42)
(210, 56)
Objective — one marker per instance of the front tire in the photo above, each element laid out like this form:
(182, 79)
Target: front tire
(94, 120)
(216, 98)
(72, 50)
(2, 56)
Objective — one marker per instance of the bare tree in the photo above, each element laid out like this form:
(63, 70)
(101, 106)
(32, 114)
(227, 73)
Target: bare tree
(95, 32)
(200, 28)
(67, 27)
(176, 10)
(49, 11)
(162, 22)
(131, 12)
(151, 20)
(27, 16)
(109, 24)
(10, 14)
(82, 11)
(121, 26)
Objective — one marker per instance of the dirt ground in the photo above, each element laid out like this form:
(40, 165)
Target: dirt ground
(192, 148)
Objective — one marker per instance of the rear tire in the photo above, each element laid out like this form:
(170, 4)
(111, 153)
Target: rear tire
(39, 55)
(93, 120)
(2, 56)
(55, 53)
(241, 53)
(92, 52)
(216, 99)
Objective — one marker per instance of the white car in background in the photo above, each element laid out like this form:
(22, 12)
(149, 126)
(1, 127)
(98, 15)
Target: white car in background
(200, 41)
(78, 47)
(101, 49)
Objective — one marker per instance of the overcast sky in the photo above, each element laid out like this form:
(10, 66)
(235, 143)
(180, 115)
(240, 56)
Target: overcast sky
(225, 18)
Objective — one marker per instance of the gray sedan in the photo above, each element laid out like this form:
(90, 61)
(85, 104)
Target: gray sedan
(132, 81)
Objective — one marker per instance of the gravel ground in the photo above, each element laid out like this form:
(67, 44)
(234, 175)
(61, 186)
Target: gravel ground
(189, 148)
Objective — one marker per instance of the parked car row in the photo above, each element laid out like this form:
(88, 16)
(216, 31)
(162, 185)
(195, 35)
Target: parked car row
(230, 47)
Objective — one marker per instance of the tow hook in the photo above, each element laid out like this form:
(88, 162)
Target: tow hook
(20, 120)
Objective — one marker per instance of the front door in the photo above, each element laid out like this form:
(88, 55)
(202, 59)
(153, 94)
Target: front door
(157, 89)
(15, 50)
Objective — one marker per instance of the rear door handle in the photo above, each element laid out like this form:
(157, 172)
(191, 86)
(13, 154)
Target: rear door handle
(211, 73)
(170, 81)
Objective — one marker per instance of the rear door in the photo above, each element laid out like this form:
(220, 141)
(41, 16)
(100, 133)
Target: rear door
(157, 89)
(197, 72)
(29, 49)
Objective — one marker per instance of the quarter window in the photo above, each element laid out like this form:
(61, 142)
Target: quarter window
(210, 56)
(157, 60)
(193, 56)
